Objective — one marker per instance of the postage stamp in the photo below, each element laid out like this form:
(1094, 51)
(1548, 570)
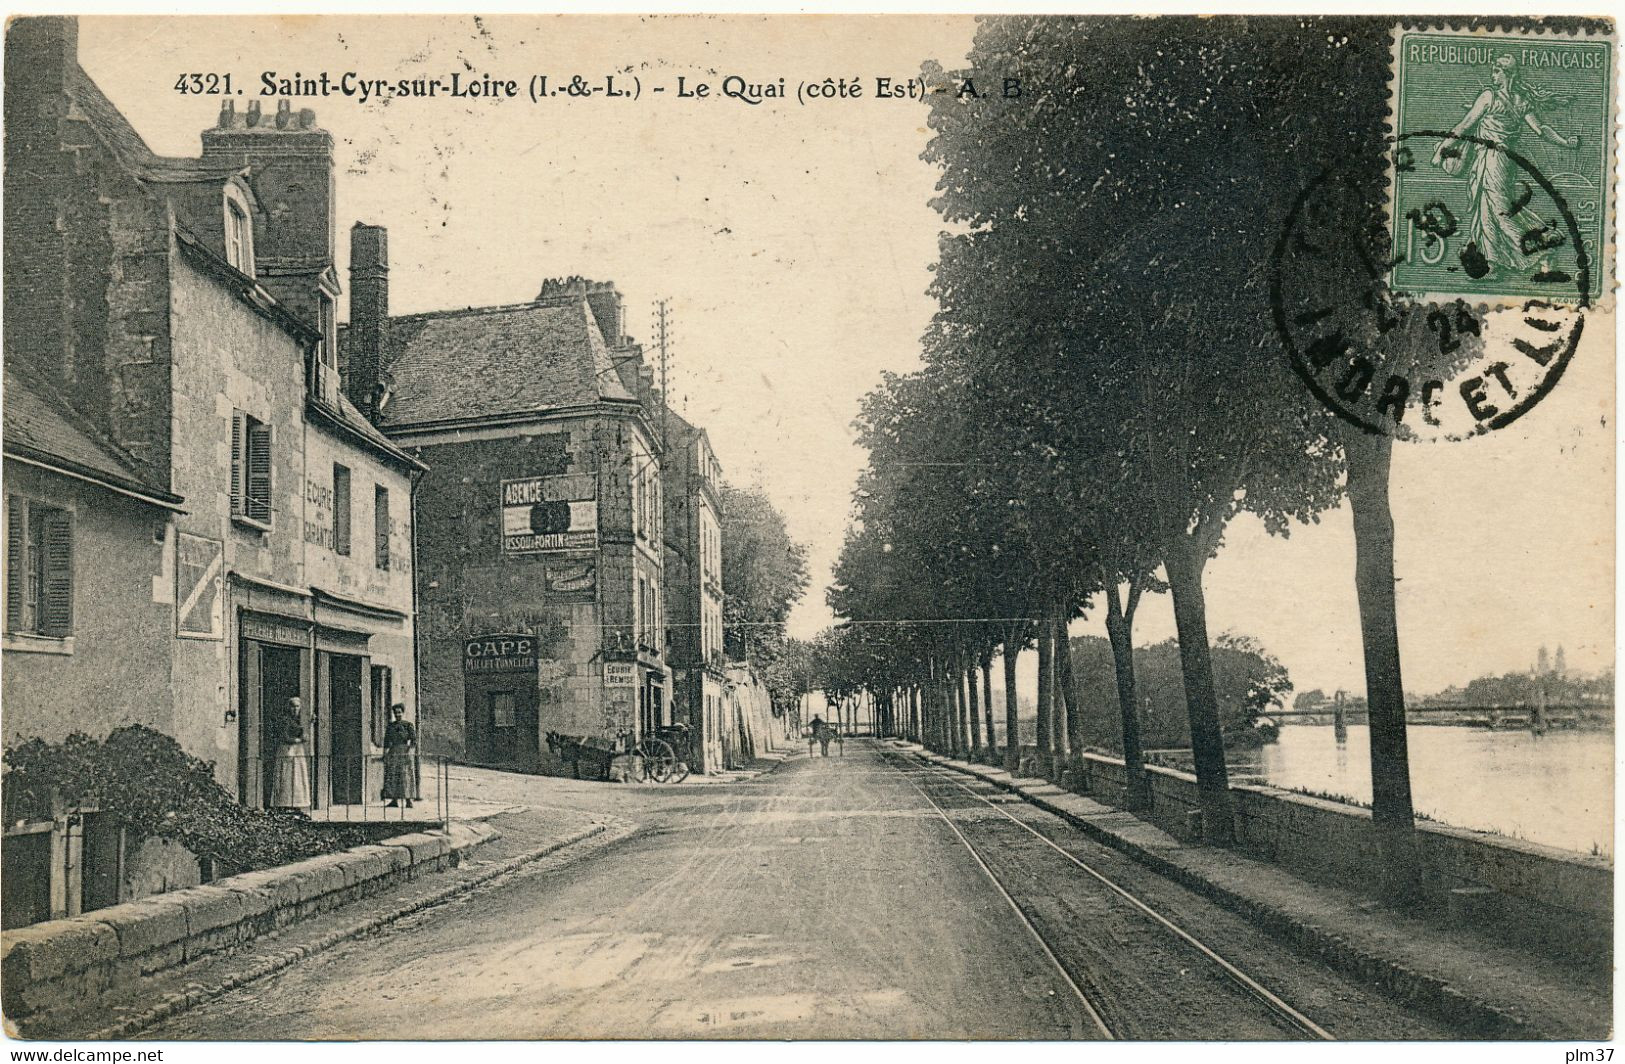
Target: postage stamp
(1501, 168)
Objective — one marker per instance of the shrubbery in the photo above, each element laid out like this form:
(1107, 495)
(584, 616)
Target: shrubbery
(155, 788)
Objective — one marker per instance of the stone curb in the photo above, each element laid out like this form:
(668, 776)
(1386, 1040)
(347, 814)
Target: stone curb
(1426, 992)
(62, 964)
(183, 1001)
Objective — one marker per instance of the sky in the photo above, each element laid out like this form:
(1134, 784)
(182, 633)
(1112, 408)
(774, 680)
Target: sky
(795, 243)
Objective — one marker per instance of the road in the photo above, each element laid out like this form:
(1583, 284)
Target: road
(832, 898)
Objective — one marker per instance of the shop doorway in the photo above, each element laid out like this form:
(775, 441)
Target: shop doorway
(501, 719)
(264, 732)
(347, 771)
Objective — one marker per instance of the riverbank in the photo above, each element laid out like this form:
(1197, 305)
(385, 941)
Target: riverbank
(1555, 790)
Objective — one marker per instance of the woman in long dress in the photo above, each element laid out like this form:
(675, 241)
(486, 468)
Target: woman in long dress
(290, 779)
(1499, 221)
(400, 758)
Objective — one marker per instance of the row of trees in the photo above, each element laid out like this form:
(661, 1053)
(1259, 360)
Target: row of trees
(764, 577)
(1103, 392)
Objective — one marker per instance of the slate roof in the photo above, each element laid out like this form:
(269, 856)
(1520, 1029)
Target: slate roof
(490, 361)
(41, 426)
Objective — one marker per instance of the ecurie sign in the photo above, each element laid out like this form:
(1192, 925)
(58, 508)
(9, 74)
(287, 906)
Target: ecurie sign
(543, 514)
(511, 652)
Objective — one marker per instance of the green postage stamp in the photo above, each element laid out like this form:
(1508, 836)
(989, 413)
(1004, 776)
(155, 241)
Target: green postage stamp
(1501, 168)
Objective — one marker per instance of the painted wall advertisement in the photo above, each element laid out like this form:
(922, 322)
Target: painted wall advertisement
(545, 514)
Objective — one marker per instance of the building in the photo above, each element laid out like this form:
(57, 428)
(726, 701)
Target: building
(540, 540)
(171, 324)
(693, 550)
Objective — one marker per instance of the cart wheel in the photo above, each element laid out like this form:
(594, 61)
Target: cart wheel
(679, 772)
(658, 760)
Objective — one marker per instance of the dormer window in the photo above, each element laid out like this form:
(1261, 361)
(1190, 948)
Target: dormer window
(239, 232)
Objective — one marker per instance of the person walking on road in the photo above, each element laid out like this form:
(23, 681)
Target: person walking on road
(822, 732)
(400, 758)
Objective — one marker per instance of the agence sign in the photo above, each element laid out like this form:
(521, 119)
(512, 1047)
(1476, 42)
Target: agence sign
(544, 514)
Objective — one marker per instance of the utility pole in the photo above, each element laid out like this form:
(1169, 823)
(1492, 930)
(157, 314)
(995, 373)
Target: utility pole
(663, 341)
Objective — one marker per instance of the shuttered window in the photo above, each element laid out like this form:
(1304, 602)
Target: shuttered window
(39, 568)
(380, 522)
(341, 509)
(250, 468)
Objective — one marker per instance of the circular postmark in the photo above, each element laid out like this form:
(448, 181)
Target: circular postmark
(1433, 366)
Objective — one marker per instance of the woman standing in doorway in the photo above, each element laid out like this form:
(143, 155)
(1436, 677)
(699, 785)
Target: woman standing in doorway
(400, 758)
(290, 780)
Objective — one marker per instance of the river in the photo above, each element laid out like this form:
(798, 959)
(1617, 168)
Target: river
(1556, 789)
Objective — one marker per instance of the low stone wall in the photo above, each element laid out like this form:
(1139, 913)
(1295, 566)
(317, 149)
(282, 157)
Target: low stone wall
(63, 963)
(1542, 896)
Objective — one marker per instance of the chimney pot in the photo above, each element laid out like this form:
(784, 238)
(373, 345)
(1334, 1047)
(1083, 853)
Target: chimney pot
(253, 113)
(284, 116)
(228, 112)
(307, 118)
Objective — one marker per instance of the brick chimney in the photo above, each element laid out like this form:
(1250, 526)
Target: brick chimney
(291, 163)
(602, 299)
(369, 312)
(40, 51)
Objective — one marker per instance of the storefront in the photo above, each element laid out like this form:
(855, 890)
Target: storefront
(500, 700)
(274, 668)
(344, 696)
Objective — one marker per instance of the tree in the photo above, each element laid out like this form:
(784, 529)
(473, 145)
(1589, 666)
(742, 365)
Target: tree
(1248, 683)
(764, 574)
(1152, 217)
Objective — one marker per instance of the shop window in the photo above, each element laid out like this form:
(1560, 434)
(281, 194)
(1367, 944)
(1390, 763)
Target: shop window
(380, 525)
(341, 510)
(39, 569)
(502, 709)
(250, 469)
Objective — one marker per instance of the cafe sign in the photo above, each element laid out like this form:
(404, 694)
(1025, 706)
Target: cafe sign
(545, 514)
(512, 652)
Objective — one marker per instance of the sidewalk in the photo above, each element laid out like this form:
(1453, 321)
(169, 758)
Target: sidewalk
(1492, 990)
(517, 839)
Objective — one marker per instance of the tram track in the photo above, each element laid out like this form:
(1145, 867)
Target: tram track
(1109, 1016)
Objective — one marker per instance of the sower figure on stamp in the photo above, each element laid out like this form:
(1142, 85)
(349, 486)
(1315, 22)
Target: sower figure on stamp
(400, 758)
(290, 775)
(1498, 220)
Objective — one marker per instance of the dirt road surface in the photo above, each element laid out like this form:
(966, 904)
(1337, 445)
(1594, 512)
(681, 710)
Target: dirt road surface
(831, 898)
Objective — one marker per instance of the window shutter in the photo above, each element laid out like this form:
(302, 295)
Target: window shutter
(258, 504)
(380, 520)
(57, 598)
(341, 510)
(237, 463)
(16, 553)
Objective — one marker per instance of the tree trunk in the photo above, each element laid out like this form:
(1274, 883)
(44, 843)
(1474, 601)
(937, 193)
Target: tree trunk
(1060, 705)
(1069, 685)
(1120, 629)
(1046, 673)
(1185, 563)
(956, 698)
(987, 705)
(1392, 815)
(1012, 728)
(974, 704)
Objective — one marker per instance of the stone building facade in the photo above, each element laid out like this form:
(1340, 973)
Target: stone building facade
(693, 546)
(541, 570)
(178, 315)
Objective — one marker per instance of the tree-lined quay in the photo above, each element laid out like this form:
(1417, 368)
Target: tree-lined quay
(1104, 391)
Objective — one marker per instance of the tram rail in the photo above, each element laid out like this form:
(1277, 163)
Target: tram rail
(1284, 1013)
